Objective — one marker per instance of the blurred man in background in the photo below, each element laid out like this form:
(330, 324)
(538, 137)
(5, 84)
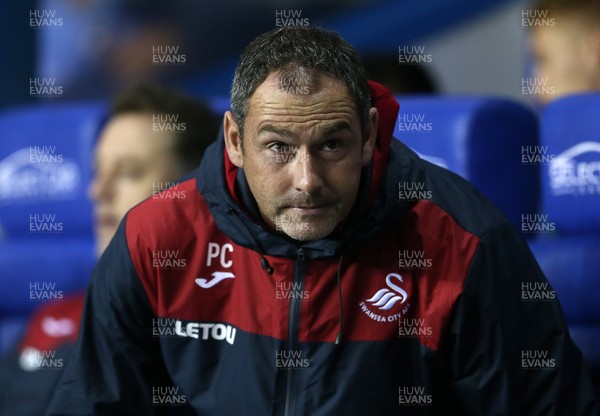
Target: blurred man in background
(565, 42)
(153, 136)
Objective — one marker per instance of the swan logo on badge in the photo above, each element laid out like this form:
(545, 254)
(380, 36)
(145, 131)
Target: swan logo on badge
(386, 299)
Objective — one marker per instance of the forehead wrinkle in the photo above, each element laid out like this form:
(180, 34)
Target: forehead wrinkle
(332, 94)
(289, 122)
(319, 108)
(311, 129)
(311, 101)
(328, 106)
(276, 112)
(292, 114)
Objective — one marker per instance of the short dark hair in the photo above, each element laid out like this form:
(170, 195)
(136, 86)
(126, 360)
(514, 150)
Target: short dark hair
(201, 124)
(586, 10)
(309, 48)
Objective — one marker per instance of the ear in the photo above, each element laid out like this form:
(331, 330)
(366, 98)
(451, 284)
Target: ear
(233, 140)
(594, 53)
(370, 136)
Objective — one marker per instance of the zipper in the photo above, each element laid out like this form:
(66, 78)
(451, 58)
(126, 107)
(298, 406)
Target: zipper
(291, 392)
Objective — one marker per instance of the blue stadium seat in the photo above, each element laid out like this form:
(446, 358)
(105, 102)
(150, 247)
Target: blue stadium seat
(45, 166)
(218, 104)
(481, 139)
(46, 242)
(570, 256)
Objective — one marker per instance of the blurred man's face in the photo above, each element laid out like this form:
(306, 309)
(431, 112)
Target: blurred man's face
(302, 155)
(567, 57)
(130, 160)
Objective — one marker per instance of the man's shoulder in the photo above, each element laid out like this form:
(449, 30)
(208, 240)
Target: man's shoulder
(469, 207)
(444, 193)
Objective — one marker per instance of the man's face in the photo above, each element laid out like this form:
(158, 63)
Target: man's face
(130, 160)
(566, 57)
(302, 155)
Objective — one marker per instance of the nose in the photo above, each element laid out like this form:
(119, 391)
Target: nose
(306, 172)
(100, 188)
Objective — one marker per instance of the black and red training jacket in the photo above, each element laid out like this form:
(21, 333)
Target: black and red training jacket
(425, 301)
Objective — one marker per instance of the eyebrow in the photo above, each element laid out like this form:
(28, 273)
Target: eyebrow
(337, 127)
(269, 128)
(124, 160)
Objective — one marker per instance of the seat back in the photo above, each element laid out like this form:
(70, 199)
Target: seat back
(481, 139)
(45, 167)
(46, 242)
(570, 256)
(570, 134)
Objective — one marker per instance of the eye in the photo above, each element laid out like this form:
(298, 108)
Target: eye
(332, 145)
(131, 172)
(279, 147)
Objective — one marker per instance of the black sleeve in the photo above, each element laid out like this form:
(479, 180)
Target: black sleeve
(509, 346)
(27, 393)
(116, 361)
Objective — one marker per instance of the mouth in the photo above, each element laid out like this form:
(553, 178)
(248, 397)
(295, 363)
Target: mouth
(106, 221)
(310, 209)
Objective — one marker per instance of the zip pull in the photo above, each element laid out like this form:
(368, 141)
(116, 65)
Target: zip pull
(265, 265)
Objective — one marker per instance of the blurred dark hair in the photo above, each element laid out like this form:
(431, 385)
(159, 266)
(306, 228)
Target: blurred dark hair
(201, 124)
(586, 10)
(302, 52)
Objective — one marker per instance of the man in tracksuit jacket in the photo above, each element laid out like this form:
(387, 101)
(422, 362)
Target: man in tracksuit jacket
(313, 265)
